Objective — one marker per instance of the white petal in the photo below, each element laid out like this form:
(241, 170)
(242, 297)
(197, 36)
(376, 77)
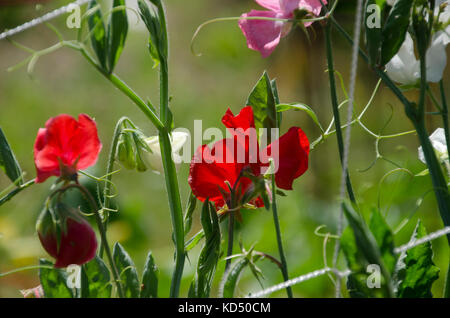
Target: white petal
(436, 58)
(154, 160)
(439, 143)
(404, 67)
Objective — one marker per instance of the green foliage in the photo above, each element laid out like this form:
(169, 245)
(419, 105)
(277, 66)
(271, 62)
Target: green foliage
(108, 42)
(395, 28)
(150, 278)
(190, 209)
(384, 238)
(363, 246)
(262, 100)
(209, 256)
(8, 161)
(127, 272)
(417, 271)
(98, 33)
(231, 278)
(151, 19)
(96, 279)
(54, 281)
(373, 34)
(301, 107)
(117, 33)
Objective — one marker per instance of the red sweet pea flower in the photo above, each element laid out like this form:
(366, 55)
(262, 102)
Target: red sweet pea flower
(214, 171)
(65, 146)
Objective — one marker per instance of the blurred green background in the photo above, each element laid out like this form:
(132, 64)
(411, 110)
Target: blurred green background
(202, 88)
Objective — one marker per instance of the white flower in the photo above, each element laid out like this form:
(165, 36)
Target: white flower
(404, 67)
(154, 160)
(439, 143)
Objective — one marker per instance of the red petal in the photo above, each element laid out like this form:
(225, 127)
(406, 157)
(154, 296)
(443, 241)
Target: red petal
(291, 157)
(210, 169)
(67, 141)
(243, 120)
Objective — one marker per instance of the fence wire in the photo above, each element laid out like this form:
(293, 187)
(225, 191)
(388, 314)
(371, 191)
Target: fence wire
(45, 18)
(343, 274)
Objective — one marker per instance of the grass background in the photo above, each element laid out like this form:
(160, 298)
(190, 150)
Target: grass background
(203, 88)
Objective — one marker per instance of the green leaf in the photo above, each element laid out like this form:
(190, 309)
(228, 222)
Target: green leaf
(8, 161)
(417, 271)
(193, 241)
(394, 31)
(263, 103)
(362, 249)
(373, 32)
(98, 279)
(117, 33)
(384, 239)
(301, 107)
(54, 281)
(150, 278)
(357, 280)
(231, 278)
(98, 33)
(209, 256)
(127, 271)
(190, 208)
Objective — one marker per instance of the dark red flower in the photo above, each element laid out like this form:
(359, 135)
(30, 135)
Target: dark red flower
(65, 146)
(72, 241)
(214, 170)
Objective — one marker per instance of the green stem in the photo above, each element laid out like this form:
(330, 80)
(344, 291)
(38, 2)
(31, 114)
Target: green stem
(335, 106)
(109, 173)
(101, 229)
(170, 172)
(437, 177)
(166, 154)
(230, 240)
(276, 221)
(175, 210)
(17, 190)
(444, 113)
(418, 120)
(447, 284)
(124, 88)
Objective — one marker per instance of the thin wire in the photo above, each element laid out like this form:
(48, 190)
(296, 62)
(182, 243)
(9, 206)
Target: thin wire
(354, 68)
(428, 238)
(45, 18)
(339, 274)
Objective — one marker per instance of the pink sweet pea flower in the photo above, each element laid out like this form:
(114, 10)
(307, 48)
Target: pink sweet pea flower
(264, 35)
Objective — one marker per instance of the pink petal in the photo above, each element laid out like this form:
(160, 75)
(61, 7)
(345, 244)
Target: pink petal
(262, 35)
(313, 6)
(273, 5)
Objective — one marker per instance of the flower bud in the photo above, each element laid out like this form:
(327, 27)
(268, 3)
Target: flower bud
(66, 236)
(178, 139)
(125, 152)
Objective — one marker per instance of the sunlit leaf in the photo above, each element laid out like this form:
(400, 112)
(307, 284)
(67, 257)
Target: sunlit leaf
(150, 278)
(417, 271)
(54, 281)
(127, 272)
(98, 279)
(394, 31)
(8, 161)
